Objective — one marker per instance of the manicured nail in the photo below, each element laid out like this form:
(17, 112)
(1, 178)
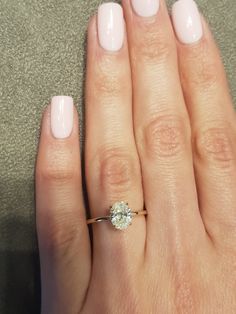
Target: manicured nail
(62, 110)
(111, 26)
(146, 8)
(187, 21)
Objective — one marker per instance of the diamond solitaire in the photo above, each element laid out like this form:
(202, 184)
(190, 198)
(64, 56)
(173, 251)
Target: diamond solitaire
(121, 215)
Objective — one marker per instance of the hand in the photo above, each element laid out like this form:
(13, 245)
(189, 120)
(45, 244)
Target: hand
(160, 131)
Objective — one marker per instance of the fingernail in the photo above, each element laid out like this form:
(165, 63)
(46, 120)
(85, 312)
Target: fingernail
(187, 21)
(146, 8)
(111, 26)
(62, 110)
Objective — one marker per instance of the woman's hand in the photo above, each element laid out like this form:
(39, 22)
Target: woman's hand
(160, 131)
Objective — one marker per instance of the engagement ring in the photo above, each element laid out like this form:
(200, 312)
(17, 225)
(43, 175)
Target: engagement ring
(121, 216)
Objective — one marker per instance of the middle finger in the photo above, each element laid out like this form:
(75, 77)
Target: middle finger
(162, 129)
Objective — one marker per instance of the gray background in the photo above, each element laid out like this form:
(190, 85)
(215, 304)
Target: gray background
(42, 53)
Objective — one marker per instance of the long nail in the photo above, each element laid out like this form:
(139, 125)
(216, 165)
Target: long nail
(187, 21)
(146, 8)
(62, 110)
(111, 26)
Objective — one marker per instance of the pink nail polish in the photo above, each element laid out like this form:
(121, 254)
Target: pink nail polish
(111, 26)
(62, 110)
(187, 21)
(146, 8)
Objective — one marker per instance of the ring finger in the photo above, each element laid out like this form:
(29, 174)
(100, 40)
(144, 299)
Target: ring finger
(112, 164)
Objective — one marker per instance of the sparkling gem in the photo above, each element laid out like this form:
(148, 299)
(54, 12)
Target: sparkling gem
(121, 215)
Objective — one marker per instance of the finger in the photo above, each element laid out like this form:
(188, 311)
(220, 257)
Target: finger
(62, 231)
(112, 164)
(212, 119)
(162, 131)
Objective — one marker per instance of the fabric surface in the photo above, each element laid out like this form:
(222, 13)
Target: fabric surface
(42, 53)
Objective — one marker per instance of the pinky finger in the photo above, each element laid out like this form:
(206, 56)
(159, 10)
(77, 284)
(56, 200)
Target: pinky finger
(61, 225)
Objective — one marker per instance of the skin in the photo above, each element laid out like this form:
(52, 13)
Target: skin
(160, 129)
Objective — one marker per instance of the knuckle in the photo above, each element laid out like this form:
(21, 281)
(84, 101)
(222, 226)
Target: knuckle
(214, 144)
(117, 170)
(151, 48)
(184, 300)
(204, 75)
(108, 85)
(165, 136)
(59, 166)
(110, 78)
(181, 268)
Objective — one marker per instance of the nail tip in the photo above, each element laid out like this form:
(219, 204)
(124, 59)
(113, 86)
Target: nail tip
(112, 5)
(62, 97)
(146, 11)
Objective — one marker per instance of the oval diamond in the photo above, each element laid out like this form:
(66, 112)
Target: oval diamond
(120, 215)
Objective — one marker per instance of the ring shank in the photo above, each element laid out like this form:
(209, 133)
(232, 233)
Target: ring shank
(98, 219)
(139, 213)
